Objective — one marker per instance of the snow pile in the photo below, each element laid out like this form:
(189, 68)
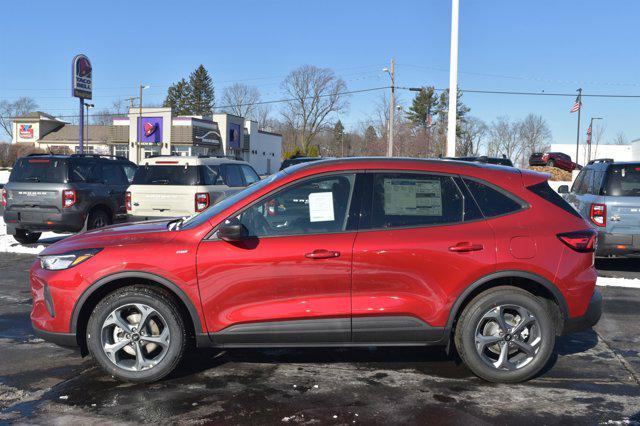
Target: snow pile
(618, 282)
(9, 245)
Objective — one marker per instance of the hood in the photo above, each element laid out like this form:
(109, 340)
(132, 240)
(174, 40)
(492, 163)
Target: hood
(115, 235)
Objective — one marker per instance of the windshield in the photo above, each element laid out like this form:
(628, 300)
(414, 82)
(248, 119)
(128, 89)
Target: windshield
(200, 218)
(624, 180)
(166, 175)
(37, 169)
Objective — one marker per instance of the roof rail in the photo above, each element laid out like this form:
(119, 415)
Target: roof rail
(601, 160)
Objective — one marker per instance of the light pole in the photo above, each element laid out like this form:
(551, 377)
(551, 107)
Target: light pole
(392, 103)
(453, 82)
(138, 137)
(589, 137)
(88, 106)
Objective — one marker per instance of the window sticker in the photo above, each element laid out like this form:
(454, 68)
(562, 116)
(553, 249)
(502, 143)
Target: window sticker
(321, 207)
(410, 197)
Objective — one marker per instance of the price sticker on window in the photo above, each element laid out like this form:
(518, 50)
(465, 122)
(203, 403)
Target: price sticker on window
(321, 207)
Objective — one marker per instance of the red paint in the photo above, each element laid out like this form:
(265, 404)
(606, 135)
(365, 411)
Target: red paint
(411, 272)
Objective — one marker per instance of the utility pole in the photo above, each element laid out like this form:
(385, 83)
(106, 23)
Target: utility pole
(578, 133)
(392, 106)
(590, 137)
(453, 82)
(88, 106)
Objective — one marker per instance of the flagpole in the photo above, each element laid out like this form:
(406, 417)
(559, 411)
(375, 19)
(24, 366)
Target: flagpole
(578, 135)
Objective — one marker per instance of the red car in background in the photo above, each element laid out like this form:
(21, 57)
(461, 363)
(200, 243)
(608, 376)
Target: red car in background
(348, 252)
(560, 160)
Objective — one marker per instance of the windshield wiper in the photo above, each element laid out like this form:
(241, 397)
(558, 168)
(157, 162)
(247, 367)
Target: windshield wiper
(33, 178)
(162, 181)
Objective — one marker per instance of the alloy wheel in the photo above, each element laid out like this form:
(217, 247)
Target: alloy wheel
(135, 337)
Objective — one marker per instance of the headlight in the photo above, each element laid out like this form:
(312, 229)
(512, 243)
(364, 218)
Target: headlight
(57, 262)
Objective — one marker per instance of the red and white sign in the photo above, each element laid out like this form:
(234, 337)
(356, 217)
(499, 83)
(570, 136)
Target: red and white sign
(26, 131)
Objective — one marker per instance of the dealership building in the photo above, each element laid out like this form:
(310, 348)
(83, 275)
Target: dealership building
(156, 131)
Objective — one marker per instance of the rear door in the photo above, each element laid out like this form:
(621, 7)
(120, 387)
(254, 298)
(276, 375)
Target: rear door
(164, 190)
(35, 184)
(421, 241)
(116, 182)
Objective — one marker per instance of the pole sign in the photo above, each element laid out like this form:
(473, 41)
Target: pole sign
(81, 80)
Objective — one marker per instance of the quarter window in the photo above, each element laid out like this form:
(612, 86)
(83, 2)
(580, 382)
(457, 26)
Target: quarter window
(315, 206)
(491, 201)
(410, 200)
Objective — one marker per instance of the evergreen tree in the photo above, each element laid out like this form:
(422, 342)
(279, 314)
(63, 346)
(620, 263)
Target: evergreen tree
(424, 106)
(201, 95)
(178, 97)
(462, 110)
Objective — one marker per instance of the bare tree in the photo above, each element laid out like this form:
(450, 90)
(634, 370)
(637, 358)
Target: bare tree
(10, 110)
(620, 139)
(504, 139)
(535, 135)
(240, 99)
(105, 116)
(316, 94)
(473, 132)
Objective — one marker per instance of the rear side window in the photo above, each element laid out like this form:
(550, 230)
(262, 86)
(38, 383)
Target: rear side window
(49, 170)
(210, 175)
(543, 190)
(85, 170)
(410, 200)
(492, 202)
(166, 175)
(623, 180)
(250, 175)
(113, 174)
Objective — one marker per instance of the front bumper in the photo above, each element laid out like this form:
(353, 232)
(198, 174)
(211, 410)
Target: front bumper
(618, 244)
(590, 317)
(44, 220)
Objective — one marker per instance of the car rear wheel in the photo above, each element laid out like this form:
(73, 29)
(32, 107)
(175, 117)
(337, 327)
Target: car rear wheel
(505, 335)
(137, 334)
(25, 237)
(98, 219)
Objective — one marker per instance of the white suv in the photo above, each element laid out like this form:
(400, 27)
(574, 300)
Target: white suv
(173, 186)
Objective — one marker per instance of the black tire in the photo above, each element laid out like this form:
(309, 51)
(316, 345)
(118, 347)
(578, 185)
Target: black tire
(472, 318)
(551, 163)
(25, 237)
(162, 303)
(98, 218)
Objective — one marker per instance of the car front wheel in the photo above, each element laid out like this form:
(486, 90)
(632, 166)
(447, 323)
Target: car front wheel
(505, 335)
(137, 334)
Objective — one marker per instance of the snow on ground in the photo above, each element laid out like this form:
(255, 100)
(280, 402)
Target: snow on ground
(4, 176)
(9, 245)
(618, 282)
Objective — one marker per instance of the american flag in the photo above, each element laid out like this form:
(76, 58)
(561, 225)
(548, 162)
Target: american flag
(589, 135)
(576, 106)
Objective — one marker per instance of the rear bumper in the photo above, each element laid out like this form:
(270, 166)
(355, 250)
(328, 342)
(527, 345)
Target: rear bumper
(618, 244)
(590, 317)
(37, 221)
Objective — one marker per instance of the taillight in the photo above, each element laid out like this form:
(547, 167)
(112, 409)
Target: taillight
(598, 214)
(202, 201)
(580, 241)
(127, 200)
(4, 197)
(68, 198)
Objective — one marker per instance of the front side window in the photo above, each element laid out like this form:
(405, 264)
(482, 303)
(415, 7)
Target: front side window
(314, 206)
(410, 200)
(250, 175)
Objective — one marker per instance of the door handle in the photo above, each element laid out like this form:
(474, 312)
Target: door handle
(466, 247)
(322, 254)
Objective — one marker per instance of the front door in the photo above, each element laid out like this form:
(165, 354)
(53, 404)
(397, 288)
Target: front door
(290, 281)
(426, 240)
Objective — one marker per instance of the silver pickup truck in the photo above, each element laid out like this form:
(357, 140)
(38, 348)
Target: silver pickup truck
(607, 194)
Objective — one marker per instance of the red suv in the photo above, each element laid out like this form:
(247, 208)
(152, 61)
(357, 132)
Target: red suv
(357, 252)
(559, 160)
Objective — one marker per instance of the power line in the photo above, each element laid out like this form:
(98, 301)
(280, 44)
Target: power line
(507, 92)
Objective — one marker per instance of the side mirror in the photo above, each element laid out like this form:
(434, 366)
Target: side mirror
(232, 230)
(563, 189)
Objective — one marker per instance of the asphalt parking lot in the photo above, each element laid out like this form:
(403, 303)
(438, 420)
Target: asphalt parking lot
(593, 378)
